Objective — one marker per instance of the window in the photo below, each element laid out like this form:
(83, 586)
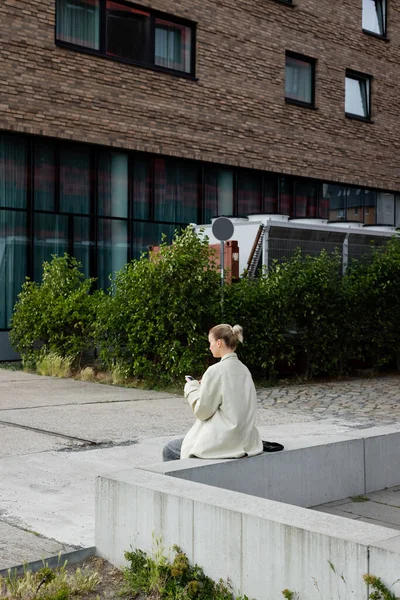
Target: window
(130, 33)
(374, 16)
(358, 95)
(172, 47)
(78, 22)
(299, 79)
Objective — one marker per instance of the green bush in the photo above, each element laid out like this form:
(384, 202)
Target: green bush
(291, 312)
(57, 315)
(154, 322)
(260, 308)
(372, 297)
(157, 577)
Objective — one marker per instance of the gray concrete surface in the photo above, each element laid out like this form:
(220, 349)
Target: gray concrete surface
(27, 546)
(57, 434)
(381, 508)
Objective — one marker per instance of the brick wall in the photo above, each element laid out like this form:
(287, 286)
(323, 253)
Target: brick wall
(235, 112)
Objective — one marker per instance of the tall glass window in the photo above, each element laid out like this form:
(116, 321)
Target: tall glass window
(286, 196)
(150, 234)
(370, 206)
(128, 32)
(113, 184)
(355, 204)
(82, 242)
(270, 200)
(358, 95)
(218, 192)
(306, 198)
(385, 208)
(13, 261)
(78, 22)
(50, 237)
(175, 191)
(112, 249)
(374, 16)
(173, 44)
(299, 79)
(249, 193)
(44, 179)
(336, 199)
(75, 179)
(13, 171)
(142, 188)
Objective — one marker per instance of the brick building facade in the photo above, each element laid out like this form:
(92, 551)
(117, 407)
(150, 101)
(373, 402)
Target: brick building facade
(96, 148)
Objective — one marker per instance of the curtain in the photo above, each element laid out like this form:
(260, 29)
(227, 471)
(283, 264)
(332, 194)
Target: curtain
(13, 171)
(13, 261)
(364, 84)
(75, 179)
(173, 46)
(78, 22)
(44, 175)
(306, 198)
(51, 237)
(218, 192)
(82, 243)
(141, 188)
(374, 16)
(357, 96)
(113, 184)
(298, 80)
(175, 191)
(249, 193)
(286, 196)
(270, 200)
(112, 249)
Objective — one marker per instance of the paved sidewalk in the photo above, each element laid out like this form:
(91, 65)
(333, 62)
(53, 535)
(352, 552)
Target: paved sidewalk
(56, 435)
(374, 401)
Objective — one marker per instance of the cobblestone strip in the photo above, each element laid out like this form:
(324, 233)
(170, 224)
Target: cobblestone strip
(375, 400)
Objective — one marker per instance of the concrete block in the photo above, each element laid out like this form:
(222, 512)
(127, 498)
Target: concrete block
(382, 461)
(261, 545)
(303, 476)
(217, 542)
(131, 516)
(276, 557)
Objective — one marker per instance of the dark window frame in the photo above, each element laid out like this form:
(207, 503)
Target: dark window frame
(383, 35)
(154, 14)
(358, 76)
(312, 62)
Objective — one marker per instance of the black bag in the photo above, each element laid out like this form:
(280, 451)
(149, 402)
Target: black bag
(272, 446)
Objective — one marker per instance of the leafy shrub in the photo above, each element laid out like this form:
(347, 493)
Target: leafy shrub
(155, 321)
(157, 577)
(293, 309)
(372, 295)
(260, 308)
(56, 315)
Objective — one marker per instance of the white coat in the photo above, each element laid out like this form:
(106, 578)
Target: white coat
(224, 405)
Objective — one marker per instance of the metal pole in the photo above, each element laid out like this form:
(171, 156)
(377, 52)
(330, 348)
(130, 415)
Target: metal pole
(222, 261)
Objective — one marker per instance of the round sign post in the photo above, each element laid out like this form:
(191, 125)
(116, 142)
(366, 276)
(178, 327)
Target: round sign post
(222, 229)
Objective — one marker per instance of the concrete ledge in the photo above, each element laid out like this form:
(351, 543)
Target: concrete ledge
(302, 476)
(259, 544)
(74, 557)
(245, 519)
(382, 462)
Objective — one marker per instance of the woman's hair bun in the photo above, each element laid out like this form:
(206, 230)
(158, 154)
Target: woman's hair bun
(237, 331)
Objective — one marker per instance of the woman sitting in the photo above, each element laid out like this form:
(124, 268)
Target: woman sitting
(224, 404)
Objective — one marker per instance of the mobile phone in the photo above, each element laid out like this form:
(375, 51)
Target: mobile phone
(189, 378)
